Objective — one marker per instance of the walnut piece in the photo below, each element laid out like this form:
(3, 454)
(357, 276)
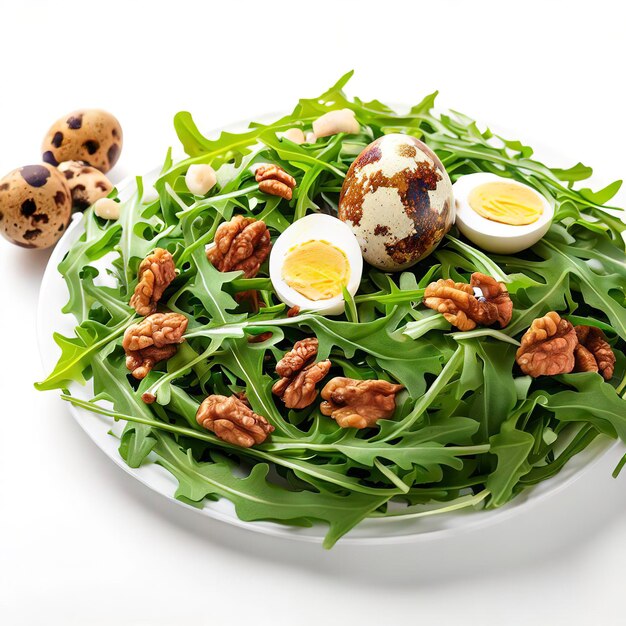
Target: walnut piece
(241, 244)
(233, 421)
(463, 308)
(300, 391)
(299, 374)
(155, 274)
(359, 403)
(275, 181)
(303, 352)
(584, 361)
(547, 347)
(259, 338)
(152, 340)
(593, 353)
(293, 311)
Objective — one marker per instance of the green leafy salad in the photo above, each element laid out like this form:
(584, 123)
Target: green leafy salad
(421, 392)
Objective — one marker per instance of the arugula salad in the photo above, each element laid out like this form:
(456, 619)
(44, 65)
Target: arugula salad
(271, 333)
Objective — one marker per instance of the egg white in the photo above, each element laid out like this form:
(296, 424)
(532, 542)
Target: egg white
(495, 236)
(316, 226)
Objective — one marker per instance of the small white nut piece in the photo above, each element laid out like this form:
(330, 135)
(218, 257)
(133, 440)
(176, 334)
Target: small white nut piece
(293, 134)
(107, 208)
(333, 122)
(310, 137)
(200, 178)
(150, 195)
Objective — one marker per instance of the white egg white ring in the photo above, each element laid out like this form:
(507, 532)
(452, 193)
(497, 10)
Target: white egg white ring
(316, 226)
(495, 236)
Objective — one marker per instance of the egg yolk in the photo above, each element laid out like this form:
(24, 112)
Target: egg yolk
(506, 203)
(316, 269)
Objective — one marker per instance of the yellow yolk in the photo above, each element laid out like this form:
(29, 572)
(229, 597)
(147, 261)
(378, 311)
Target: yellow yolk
(316, 269)
(507, 203)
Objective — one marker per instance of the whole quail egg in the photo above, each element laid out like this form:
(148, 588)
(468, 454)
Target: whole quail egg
(88, 135)
(397, 199)
(86, 183)
(35, 206)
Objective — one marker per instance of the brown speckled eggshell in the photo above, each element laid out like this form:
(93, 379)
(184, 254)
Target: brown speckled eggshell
(35, 206)
(397, 198)
(86, 183)
(88, 135)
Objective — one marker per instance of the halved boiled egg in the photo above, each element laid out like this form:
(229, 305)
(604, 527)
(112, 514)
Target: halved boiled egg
(313, 260)
(500, 214)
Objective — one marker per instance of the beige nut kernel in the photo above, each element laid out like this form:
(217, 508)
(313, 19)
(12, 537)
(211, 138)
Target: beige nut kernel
(334, 122)
(200, 179)
(310, 137)
(107, 209)
(293, 134)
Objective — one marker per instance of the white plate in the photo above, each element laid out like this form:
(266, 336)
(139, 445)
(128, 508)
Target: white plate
(53, 296)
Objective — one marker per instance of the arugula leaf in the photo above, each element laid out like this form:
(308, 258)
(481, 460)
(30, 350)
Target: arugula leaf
(406, 360)
(257, 499)
(93, 244)
(594, 401)
(512, 448)
(135, 241)
(78, 353)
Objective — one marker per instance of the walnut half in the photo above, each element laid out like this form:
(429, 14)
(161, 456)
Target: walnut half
(152, 340)
(233, 420)
(274, 181)
(299, 374)
(155, 274)
(241, 244)
(483, 302)
(547, 347)
(593, 353)
(359, 403)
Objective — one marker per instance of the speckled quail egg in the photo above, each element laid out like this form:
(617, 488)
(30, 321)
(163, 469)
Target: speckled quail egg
(500, 214)
(88, 135)
(397, 199)
(312, 261)
(86, 183)
(35, 206)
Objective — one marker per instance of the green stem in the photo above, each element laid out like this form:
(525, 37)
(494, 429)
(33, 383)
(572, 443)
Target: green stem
(412, 295)
(424, 402)
(412, 513)
(244, 284)
(214, 344)
(418, 328)
(61, 376)
(391, 477)
(318, 472)
(195, 209)
(484, 332)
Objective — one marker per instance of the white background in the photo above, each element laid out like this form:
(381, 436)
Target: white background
(83, 543)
